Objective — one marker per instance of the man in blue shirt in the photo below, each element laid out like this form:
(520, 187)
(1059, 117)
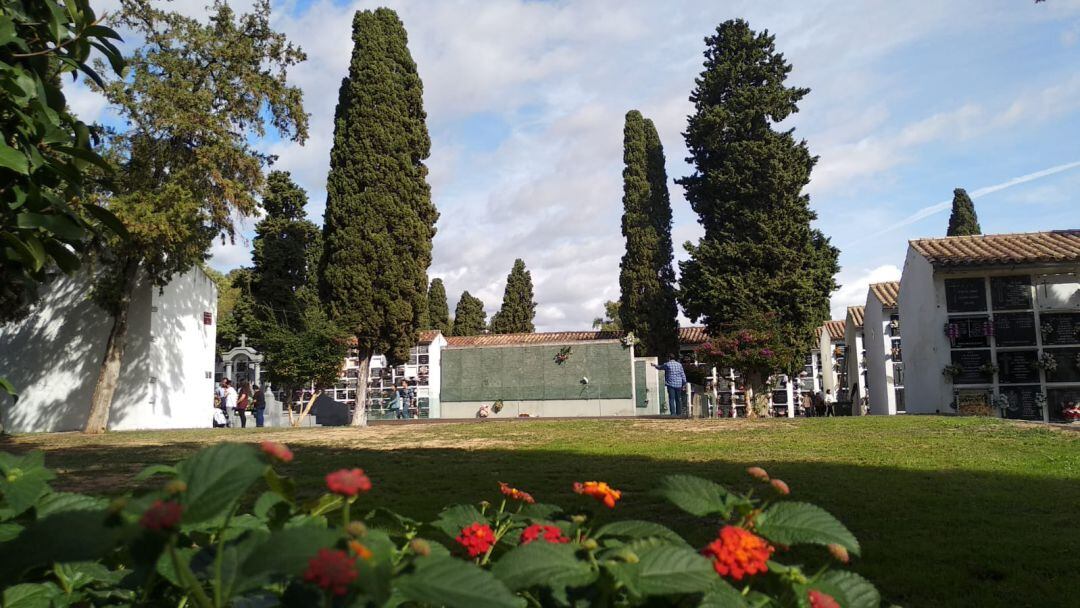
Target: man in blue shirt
(675, 380)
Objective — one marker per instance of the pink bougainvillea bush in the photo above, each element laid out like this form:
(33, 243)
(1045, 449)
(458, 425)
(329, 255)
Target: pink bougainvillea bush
(224, 528)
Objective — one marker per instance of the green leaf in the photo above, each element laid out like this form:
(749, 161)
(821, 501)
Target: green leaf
(101, 31)
(849, 589)
(446, 581)
(107, 218)
(23, 480)
(9, 530)
(794, 523)
(664, 569)
(265, 503)
(722, 595)
(49, 540)
(394, 524)
(696, 496)
(84, 155)
(283, 486)
(75, 575)
(216, 478)
(30, 595)
(452, 519)
(64, 258)
(543, 564)
(8, 387)
(156, 469)
(13, 159)
(59, 225)
(58, 502)
(634, 529)
(287, 551)
(7, 30)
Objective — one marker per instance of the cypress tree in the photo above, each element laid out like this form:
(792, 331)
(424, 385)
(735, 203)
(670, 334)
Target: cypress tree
(518, 307)
(647, 304)
(438, 310)
(282, 241)
(469, 316)
(379, 216)
(962, 220)
(760, 270)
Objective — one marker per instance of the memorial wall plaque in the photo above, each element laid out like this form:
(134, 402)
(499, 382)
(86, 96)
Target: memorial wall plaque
(965, 295)
(1014, 328)
(1010, 293)
(1017, 367)
(1022, 402)
(1060, 328)
(1068, 365)
(1058, 399)
(971, 363)
(971, 332)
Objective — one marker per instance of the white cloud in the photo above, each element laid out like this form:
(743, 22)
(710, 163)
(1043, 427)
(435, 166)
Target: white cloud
(854, 285)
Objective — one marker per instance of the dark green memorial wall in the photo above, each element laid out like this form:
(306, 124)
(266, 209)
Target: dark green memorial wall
(530, 373)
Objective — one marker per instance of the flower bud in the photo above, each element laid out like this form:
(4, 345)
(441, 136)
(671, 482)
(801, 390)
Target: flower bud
(758, 473)
(590, 544)
(175, 486)
(839, 552)
(357, 529)
(631, 557)
(420, 547)
(780, 487)
(578, 519)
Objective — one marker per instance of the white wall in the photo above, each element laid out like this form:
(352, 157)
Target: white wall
(544, 409)
(926, 348)
(435, 376)
(828, 374)
(53, 357)
(853, 339)
(879, 369)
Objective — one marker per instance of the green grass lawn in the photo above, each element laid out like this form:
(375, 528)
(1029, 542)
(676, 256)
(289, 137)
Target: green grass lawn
(950, 511)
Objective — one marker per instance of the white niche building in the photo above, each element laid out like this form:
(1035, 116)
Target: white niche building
(53, 357)
(884, 357)
(992, 325)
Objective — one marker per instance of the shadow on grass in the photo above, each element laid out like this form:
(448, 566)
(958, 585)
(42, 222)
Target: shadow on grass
(941, 538)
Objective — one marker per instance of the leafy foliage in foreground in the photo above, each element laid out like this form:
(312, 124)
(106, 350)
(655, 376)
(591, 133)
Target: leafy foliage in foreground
(202, 537)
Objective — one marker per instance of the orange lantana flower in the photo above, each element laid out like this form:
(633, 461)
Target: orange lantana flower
(515, 494)
(599, 490)
(737, 553)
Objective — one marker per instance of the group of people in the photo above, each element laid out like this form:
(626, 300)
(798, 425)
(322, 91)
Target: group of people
(817, 404)
(228, 399)
(403, 400)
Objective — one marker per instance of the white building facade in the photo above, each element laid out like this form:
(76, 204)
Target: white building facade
(53, 357)
(831, 352)
(856, 358)
(884, 356)
(992, 325)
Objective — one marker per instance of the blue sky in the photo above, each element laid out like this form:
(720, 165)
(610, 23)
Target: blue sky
(526, 100)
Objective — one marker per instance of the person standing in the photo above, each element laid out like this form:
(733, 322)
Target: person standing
(229, 403)
(403, 400)
(830, 403)
(260, 406)
(243, 400)
(806, 402)
(675, 381)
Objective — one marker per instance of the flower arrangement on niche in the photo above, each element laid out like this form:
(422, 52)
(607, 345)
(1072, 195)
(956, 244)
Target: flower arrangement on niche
(952, 330)
(1046, 362)
(1003, 403)
(988, 369)
(1047, 330)
(497, 406)
(563, 355)
(1071, 412)
(951, 371)
(1040, 401)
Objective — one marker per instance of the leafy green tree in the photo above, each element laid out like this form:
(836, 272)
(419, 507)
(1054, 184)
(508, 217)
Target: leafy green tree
(469, 316)
(963, 221)
(518, 308)
(196, 94)
(647, 304)
(438, 316)
(610, 320)
(759, 268)
(379, 216)
(45, 150)
(299, 344)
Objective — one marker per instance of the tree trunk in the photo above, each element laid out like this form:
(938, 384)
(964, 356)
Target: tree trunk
(757, 396)
(362, 374)
(307, 409)
(100, 403)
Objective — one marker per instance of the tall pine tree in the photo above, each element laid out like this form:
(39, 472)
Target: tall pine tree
(282, 241)
(518, 307)
(760, 277)
(379, 216)
(962, 220)
(438, 316)
(647, 302)
(469, 316)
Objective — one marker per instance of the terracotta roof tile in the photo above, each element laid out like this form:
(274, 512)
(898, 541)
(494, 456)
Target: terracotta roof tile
(855, 313)
(886, 293)
(835, 328)
(692, 335)
(817, 333)
(426, 336)
(995, 249)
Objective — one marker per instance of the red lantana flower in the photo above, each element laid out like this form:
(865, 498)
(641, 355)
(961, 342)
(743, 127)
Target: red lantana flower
(476, 538)
(549, 534)
(348, 482)
(515, 494)
(332, 570)
(277, 451)
(599, 490)
(162, 515)
(738, 553)
(821, 600)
